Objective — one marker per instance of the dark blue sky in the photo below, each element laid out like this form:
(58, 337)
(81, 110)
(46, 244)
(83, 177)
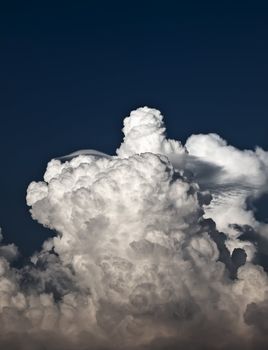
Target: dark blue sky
(71, 71)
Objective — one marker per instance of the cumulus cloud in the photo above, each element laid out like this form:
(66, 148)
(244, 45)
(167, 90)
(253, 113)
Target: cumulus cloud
(151, 250)
(242, 174)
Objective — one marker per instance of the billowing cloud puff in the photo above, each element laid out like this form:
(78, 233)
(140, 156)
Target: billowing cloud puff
(144, 131)
(241, 174)
(153, 248)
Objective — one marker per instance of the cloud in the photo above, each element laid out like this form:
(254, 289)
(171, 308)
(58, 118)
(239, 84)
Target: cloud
(87, 152)
(144, 131)
(243, 174)
(9, 251)
(139, 260)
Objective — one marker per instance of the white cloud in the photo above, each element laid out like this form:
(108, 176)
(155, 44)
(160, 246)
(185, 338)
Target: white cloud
(135, 264)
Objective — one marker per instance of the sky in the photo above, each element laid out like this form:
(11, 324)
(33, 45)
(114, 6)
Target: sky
(72, 71)
(160, 241)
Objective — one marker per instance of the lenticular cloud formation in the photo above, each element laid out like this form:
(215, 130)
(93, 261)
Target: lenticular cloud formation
(155, 248)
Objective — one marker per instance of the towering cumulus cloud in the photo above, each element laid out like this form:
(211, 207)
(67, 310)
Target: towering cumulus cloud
(155, 248)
